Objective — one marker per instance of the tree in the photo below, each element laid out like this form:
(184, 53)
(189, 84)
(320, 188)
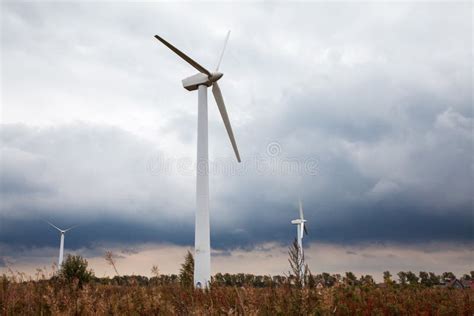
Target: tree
(425, 278)
(412, 278)
(328, 280)
(434, 279)
(218, 279)
(402, 277)
(75, 268)
(267, 281)
(387, 278)
(337, 278)
(350, 279)
(228, 279)
(367, 280)
(239, 279)
(447, 276)
(296, 259)
(278, 280)
(186, 273)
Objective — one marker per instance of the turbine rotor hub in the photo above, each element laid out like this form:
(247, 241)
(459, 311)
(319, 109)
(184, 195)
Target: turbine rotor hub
(215, 76)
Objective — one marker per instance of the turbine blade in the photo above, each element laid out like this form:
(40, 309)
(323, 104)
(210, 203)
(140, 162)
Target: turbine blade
(305, 230)
(70, 228)
(184, 56)
(53, 225)
(220, 104)
(223, 50)
(301, 209)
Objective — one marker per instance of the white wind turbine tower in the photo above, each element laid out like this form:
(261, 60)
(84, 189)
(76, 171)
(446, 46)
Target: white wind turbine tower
(300, 231)
(61, 245)
(201, 81)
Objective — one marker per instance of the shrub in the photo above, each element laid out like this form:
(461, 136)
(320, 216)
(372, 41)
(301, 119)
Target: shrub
(75, 268)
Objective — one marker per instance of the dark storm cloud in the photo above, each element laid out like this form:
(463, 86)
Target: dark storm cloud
(382, 101)
(101, 232)
(385, 221)
(377, 223)
(358, 209)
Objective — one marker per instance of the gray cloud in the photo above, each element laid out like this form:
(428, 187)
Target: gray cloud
(380, 95)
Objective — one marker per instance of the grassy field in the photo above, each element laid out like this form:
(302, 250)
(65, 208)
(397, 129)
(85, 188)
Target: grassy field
(55, 297)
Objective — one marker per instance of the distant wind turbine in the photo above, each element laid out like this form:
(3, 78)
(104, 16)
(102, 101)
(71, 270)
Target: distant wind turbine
(201, 81)
(300, 231)
(61, 245)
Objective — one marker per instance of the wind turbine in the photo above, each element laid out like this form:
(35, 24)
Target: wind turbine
(201, 81)
(61, 245)
(300, 231)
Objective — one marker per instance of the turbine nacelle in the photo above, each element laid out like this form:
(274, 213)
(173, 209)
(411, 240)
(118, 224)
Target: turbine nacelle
(298, 221)
(301, 221)
(192, 83)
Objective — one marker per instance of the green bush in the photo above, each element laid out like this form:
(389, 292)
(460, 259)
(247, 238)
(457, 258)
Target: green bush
(75, 268)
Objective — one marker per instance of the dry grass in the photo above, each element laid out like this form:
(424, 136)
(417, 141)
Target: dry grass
(41, 296)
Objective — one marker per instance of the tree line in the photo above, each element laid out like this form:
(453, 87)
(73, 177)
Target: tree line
(76, 268)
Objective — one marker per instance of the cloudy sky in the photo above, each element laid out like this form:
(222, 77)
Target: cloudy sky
(362, 109)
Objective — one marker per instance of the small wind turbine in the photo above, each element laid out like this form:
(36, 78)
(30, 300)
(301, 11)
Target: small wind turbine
(300, 231)
(61, 245)
(201, 81)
